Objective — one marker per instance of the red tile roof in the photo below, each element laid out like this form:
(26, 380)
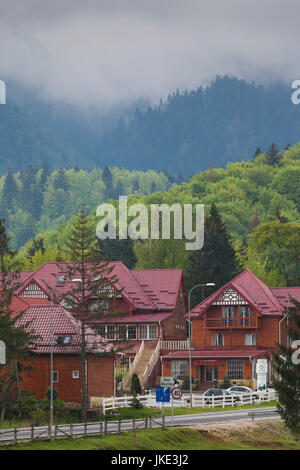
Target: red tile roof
(252, 289)
(199, 354)
(283, 295)
(143, 289)
(38, 319)
(160, 285)
(17, 305)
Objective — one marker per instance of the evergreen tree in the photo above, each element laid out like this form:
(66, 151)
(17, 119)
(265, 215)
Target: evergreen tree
(60, 180)
(108, 181)
(216, 262)
(15, 337)
(45, 173)
(257, 152)
(95, 287)
(119, 250)
(254, 223)
(273, 155)
(286, 365)
(10, 193)
(278, 216)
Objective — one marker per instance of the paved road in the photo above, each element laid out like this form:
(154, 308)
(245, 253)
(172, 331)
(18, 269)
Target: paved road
(112, 426)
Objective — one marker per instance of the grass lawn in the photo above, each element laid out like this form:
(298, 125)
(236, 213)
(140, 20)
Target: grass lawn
(263, 436)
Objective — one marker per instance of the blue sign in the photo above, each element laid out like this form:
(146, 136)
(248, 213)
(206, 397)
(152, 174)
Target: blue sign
(163, 394)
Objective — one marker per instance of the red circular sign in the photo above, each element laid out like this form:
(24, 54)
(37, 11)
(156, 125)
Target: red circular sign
(176, 393)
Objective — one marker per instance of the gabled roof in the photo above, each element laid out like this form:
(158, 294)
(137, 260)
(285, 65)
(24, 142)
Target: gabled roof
(283, 295)
(17, 305)
(144, 290)
(160, 285)
(252, 289)
(38, 319)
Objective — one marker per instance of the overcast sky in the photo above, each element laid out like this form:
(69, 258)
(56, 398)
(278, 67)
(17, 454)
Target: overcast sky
(116, 51)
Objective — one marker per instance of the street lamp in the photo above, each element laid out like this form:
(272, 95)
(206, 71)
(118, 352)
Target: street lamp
(208, 284)
(60, 281)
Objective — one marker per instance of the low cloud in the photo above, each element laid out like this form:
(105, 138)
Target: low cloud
(113, 52)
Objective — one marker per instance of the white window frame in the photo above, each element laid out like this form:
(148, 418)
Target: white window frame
(147, 327)
(108, 334)
(250, 339)
(75, 374)
(179, 369)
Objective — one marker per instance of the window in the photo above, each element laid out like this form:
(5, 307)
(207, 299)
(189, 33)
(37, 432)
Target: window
(179, 369)
(131, 332)
(217, 340)
(235, 369)
(250, 340)
(108, 331)
(148, 331)
(63, 340)
(228, 315)
(111, 332)
(55, 376)
(122, 331)
(244, 315)
(75, 374)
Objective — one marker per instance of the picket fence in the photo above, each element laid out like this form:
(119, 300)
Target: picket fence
(198, 401)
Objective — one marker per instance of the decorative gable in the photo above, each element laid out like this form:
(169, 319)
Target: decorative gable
(230, 297)
(33, 291)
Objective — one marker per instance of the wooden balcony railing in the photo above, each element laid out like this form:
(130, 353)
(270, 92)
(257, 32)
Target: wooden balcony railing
(231, 323)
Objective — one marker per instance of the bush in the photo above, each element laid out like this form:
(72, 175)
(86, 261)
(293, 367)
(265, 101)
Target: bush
(136, 388)
(136, 403)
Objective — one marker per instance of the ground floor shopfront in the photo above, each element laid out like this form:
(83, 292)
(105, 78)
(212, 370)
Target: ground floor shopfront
(211, 367)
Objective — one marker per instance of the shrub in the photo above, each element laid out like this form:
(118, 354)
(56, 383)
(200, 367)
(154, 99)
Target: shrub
(136, 388)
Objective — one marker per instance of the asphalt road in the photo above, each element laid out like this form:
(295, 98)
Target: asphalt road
(112, 426)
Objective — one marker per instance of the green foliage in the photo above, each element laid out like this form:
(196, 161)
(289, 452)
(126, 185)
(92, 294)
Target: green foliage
(136, 403)
(287, 373)
(136, 388)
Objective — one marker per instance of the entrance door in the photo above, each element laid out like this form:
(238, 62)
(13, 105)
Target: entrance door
(211, 373)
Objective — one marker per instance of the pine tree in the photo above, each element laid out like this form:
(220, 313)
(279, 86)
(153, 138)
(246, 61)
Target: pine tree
(286, 365)
(15, 337)
(278, 216)
(216, 262)
(257, 152)
(60, 180)
(108, 181)
(273, 155)
(10, 193)
(95, 287)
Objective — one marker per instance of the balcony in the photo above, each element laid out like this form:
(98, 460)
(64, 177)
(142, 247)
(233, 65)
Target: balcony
(218, 322)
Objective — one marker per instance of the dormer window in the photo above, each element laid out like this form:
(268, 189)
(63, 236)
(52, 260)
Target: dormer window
(63, 340)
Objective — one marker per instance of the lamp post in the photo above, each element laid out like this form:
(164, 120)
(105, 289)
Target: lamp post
(190, 333)
(60, 280)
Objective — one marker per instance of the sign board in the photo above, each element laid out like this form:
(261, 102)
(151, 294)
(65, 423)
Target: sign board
(207, 362)
(162, 394)
(261, 366)
(167, 381)
(2, 352)
(176, 393)
(261, 381)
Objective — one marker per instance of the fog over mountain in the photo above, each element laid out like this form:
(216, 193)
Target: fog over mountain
(114, 52)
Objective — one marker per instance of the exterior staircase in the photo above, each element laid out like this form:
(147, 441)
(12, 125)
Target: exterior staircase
(143, 364)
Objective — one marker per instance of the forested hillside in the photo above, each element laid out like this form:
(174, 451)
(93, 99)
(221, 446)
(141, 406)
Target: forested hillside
(259, 202)
(186, 133)
(37, 200)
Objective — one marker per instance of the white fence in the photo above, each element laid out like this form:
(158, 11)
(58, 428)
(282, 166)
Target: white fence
(198, 401)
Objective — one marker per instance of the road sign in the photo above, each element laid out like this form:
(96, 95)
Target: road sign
(168, 381)
(163, 394)
(2, 352)
(176, 393)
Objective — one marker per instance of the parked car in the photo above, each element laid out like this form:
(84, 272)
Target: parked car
(241, 389)
(218, 394)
